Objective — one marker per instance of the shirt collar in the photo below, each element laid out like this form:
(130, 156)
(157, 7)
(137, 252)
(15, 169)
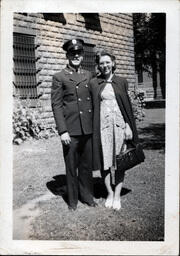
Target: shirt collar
(71, 70)
(101, 79)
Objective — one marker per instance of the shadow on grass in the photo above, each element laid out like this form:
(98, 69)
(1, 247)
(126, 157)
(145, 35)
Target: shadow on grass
(153, 136)
(57, 186)
(100, 189)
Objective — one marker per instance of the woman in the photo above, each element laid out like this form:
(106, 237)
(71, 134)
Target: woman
(113, 124)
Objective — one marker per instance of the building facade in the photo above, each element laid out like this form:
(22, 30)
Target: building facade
(38, 53)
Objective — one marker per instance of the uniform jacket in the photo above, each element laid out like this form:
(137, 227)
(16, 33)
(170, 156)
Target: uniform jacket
(71, 102)
(120, 87)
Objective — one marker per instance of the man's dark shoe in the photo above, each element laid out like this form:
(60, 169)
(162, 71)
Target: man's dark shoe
(72, 208)
(93, 204)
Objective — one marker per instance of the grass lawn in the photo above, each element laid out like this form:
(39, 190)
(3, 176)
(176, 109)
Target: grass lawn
(39, 186)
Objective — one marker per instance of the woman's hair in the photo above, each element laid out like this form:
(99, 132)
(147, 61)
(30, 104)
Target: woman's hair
(105, 53)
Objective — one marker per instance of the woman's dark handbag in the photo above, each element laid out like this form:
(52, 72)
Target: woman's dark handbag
(132, 156)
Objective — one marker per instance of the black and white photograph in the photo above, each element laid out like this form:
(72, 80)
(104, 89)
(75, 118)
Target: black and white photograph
(93, 138)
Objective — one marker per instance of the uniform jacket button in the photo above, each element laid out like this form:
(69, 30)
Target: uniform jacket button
(80, 112)
(79, 99)
(86, 85)
(89, 110)
(88, 98)
(77, 87)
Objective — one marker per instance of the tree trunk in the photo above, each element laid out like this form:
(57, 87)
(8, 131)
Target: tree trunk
(154, 76)
(163, 76)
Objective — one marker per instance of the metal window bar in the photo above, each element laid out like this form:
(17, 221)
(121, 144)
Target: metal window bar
(24, 66)
(89, 58)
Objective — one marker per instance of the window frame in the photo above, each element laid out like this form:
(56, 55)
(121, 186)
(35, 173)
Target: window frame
(28, 76)
(86, 64)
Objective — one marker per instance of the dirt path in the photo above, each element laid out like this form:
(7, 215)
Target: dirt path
(25, 215)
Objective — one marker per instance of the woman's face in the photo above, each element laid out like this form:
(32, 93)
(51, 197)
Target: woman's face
(105, 65)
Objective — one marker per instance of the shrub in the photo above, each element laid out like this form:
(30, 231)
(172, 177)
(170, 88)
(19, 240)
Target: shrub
(138, 103)
(27, 123)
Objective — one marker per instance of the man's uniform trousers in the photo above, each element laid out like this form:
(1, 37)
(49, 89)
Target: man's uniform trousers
(78, 160)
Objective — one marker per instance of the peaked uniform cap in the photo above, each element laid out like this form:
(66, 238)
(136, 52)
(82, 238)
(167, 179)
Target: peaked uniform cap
(73, 44)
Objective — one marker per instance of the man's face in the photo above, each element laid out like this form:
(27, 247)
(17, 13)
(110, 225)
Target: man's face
(75, 58)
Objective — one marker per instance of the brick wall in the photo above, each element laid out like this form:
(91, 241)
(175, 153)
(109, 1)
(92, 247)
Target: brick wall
(105, 30)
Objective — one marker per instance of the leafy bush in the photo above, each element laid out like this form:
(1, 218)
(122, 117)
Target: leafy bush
(138, 103)
(27, 123)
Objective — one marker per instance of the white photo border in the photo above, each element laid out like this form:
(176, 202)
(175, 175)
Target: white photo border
(171, 243)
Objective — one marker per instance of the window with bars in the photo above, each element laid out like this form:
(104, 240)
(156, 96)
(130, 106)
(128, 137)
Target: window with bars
(89, 57)
(25, 84)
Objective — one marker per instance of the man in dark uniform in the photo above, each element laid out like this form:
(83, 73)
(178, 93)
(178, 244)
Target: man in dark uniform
(72, 109)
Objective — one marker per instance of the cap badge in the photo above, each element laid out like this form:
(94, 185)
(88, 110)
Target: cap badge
(74, 41)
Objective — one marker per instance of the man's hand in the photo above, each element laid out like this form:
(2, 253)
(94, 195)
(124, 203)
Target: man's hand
(65, 138)
(128, 132)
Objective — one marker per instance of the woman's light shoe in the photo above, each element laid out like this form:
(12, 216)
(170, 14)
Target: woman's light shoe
(109, 201)
(117, 204)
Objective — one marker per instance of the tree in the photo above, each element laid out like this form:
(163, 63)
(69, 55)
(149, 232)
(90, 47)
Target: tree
(150, 46)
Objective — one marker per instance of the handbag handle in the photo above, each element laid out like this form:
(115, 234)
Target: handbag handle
(128, 143)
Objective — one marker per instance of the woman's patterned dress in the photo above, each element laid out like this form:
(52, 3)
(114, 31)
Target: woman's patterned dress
(112, 127)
